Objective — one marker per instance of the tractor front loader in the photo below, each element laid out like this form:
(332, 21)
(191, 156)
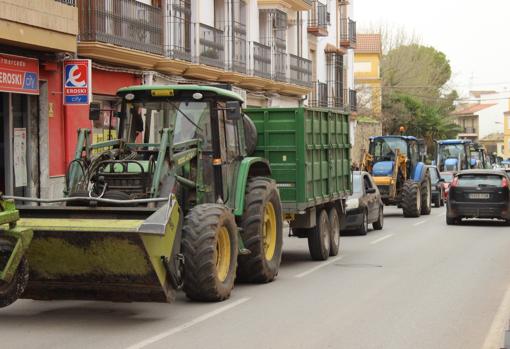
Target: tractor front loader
(393, 162)
(172, 203)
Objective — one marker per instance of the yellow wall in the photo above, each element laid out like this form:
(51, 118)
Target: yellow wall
(367, 74)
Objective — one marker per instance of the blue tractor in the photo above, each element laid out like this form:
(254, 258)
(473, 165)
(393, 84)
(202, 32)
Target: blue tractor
(454, 155)
(403, 180)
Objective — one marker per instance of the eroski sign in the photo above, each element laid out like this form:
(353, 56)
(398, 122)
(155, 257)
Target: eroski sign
(77, 82)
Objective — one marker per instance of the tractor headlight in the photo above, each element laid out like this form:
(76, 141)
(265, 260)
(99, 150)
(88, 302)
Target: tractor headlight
(352, 204)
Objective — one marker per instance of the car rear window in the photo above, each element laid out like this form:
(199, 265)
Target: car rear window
(448, 177)
(479, 180)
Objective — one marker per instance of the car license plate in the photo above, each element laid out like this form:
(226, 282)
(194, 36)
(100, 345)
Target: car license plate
(479, 196)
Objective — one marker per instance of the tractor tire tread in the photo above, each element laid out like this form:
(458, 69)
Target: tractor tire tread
(409, 199)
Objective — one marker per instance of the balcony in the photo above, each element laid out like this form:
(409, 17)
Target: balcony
(261, 58)
(297, 5)
(238, 49)
(68, 2)
(468, 131)
(347, 33)
(318, 98)
(318, 19)
(350, 101)
(211, 48)
(44, 24)
(125, 23)
(280, 61)
(300, 70)
(178, 30)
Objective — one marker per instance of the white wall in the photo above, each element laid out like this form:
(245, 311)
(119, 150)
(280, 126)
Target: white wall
(491, 120)
(206, 12)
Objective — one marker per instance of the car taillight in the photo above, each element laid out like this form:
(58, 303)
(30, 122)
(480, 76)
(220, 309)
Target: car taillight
(504, 183)
(454, 182)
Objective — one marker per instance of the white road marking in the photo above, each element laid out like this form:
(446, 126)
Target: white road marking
(322, 265)
(172, 331)
(418, 223)
(494, 339)
(382, 238)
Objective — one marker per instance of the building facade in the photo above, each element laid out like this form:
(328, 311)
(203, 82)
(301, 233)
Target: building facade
(266, 50)
(367, 74)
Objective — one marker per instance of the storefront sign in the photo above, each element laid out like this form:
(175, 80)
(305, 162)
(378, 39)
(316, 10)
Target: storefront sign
(77, 81)
(20, 157)
(19, 74)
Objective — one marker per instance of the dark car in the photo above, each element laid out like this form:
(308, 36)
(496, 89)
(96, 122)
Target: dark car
(479, 194)
(364, 206)
(436, 181)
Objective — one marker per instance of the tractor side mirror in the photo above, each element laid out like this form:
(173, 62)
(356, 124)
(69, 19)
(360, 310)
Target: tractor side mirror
(94, 111)
(234, 110)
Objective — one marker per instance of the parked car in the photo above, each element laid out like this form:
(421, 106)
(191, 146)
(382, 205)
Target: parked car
(364, 206)
(478, 194)
(448, 179)
(438, 196)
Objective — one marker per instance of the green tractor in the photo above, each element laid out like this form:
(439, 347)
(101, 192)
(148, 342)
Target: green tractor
(175, 202)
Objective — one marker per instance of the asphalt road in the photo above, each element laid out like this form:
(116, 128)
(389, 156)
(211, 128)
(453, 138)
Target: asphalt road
(416, 284)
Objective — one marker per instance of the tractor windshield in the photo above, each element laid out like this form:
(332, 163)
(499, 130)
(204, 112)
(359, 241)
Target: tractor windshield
(189, 120)
(384, 149)
(451, 157)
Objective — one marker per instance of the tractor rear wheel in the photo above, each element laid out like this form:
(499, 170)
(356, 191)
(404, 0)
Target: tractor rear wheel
(209, 246)
(319, 238)
(411, 199)
(426, 195)
(262, 231)
(11, 291)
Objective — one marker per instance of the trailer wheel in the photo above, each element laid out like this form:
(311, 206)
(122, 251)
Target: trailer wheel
(11, 291)
(411, 199)
(262, 232)
(319, 238)
(426, 195)
(209, 246)
(334, 222)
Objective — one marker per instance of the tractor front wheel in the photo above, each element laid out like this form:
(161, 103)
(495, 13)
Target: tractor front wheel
(411, 199)
(209, 246)
(262, 232)
(11, 291)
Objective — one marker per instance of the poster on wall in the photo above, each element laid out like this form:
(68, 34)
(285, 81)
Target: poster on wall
(19, 74)
(77, 82)
(20, 157)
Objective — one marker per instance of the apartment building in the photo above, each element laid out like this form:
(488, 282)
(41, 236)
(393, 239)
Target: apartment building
(273, 52)
(367, 74)
(34, 40)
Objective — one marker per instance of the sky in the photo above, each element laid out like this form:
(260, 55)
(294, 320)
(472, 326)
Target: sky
(474, 35)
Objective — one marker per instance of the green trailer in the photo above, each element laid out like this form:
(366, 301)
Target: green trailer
(309, 154)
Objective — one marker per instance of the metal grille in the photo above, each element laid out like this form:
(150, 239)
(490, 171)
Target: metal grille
(67, 2)
(261, 60)
(125, 23)
(178, 38)
(347, 32)
(334, 69)
(211, 46)
(319, 95)
(238, 46)
(319, 15)
(300, 70)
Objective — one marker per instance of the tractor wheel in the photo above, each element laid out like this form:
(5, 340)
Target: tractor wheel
(11, 291)
(438, 202)
(319, 238)
(209, 246)
(262, 232)
(426, 195)
(334, 238)
(411, 199)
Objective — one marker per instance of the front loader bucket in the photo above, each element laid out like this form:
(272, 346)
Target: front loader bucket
(101, 253)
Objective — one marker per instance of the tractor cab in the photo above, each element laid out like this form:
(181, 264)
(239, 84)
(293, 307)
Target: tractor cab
(385, 151)
(479, 157)
(454, 155)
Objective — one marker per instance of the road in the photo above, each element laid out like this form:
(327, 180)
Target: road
(416, 284)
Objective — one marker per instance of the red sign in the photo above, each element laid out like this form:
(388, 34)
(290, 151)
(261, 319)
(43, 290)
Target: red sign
(19, 74)
(77, 81)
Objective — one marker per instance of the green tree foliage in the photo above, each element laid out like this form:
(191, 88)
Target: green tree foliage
(414, 79)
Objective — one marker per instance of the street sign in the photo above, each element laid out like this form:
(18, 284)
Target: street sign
(77, 82)
(19, 74)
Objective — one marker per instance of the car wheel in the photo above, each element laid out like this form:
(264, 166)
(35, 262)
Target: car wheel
(378, 224)
(363, 229)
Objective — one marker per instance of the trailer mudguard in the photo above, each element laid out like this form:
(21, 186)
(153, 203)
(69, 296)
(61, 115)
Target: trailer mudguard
(249, 167)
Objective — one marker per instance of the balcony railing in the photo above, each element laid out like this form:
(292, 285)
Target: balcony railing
(238, 60)
(318, 19)
(469, 130)
(211, 48)
(68, 2)
(300, 70)
(280, 59)
(350, 100)
(319, 95)
(179, 28)
(126, 23)
(347, 33)
(261, 55)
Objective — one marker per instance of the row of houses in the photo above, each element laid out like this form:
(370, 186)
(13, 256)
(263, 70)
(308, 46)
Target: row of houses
(281, 53)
